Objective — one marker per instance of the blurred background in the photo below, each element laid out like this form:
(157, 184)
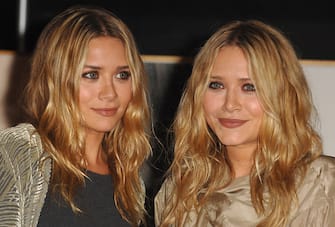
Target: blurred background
(179, 27)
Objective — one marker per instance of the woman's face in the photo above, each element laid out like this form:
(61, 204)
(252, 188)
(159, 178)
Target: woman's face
(105, 85)
(231, 106)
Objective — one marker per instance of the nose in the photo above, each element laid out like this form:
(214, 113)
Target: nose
(232, 101)
(107, 90)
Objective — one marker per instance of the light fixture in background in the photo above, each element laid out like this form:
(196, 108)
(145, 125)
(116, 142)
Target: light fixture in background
(22, 24)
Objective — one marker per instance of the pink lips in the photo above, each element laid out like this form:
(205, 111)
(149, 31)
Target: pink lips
(231, 123)
(106, 112)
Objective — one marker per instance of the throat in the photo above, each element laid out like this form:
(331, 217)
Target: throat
(242, 169)
(97, 162)
(242, 161)
(100, 168)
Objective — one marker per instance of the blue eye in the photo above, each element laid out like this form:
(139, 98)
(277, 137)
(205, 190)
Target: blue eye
(90, 75)
(215, 85)
(249, 87)
(124, 75)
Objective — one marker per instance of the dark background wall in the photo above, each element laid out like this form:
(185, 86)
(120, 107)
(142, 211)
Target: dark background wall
(173, 27)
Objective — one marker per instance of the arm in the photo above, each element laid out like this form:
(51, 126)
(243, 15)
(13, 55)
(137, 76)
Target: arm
(317, 196)
(23, 185)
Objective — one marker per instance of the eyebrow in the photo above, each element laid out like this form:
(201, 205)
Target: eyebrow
(122, 67)
(220, 78)
(245, 79)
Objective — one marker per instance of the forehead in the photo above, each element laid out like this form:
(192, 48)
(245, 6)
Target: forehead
(105, 49)
(230, 61)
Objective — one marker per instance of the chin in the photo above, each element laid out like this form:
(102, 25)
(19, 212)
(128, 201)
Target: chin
(103, 128)
(231, 142)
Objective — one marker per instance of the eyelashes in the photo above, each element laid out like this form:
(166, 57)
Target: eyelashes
(248, 87)
(124, 75)
(93, 75)
(215, 85)
(90, 75)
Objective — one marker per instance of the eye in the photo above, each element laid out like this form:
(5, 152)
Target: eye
(90, 75)
(124, 75)
(249, 87)
(215, 85)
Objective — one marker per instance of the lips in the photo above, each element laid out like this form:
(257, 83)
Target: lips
(231, 123)
(106, 112)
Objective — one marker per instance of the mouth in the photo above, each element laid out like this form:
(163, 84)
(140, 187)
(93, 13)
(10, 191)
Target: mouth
(106, 112)
(231, 123)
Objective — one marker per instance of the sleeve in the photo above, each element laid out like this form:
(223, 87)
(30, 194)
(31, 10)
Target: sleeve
(317, 205)
(12, 175)
(9, 196)
(320, 214)
(23, 184)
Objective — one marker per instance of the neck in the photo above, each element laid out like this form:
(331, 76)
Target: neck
(241, 159)
(95, 156)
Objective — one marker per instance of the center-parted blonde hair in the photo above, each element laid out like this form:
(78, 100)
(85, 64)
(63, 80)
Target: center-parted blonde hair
(53, 104)
(287, 141)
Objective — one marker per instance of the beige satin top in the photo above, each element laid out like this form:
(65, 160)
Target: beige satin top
(232, 205)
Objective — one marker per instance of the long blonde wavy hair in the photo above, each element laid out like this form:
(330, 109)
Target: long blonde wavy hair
(287, 142)
(52, 102)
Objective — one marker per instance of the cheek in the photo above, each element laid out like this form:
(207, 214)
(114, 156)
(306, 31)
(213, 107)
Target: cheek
(85, 94)
(210, 108)
(125, 94)
(255, 109)
(211, 104)
(127, 99)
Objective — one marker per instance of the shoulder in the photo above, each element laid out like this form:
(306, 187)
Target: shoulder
(24, 180)
(323, 161)
(316, 195)
(323, 167)
(20, 144)
(21, 133)
(320, 176)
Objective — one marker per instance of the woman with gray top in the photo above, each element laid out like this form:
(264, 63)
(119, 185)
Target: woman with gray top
(77, 162)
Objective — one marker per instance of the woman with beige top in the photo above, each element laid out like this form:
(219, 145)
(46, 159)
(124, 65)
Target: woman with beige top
(246, 152)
